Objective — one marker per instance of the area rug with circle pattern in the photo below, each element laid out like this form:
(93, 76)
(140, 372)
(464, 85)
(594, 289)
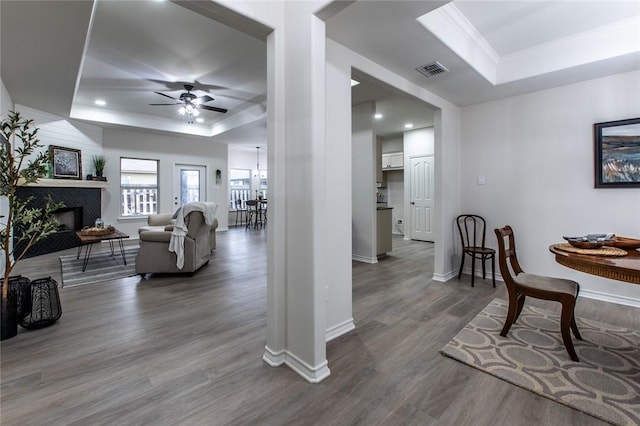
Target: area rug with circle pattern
(604, 384)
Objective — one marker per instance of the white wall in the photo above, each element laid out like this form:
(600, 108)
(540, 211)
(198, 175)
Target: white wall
(418, 142)
(169, 150)
(392, 144)
(6, 105)
(55, 130)
(242, 157)
(536, 153)
(338, 210)
(363, 143)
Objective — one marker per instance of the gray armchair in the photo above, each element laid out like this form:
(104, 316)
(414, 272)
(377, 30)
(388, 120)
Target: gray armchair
(154, 255)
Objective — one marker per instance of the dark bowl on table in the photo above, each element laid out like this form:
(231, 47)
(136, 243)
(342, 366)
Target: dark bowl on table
(584, 244)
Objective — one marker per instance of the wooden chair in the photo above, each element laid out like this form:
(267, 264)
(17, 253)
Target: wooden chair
(520, 285)
(472, 236)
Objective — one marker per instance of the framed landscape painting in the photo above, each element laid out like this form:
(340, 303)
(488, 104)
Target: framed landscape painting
(66, 162)
(617, 154)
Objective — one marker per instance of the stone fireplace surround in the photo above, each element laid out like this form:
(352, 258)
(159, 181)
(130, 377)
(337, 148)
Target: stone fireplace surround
(81, 198)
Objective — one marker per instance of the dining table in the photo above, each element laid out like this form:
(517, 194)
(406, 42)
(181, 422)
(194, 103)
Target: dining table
(620, 266)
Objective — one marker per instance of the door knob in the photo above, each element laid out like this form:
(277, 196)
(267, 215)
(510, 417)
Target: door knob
(412, 202)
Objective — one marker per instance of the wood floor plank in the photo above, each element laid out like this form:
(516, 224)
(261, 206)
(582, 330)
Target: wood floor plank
(179, 350)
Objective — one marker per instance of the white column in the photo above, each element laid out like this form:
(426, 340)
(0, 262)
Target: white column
(297, 294)
(364, 179)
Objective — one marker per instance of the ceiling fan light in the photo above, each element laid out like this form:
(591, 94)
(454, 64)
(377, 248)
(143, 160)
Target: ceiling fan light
(189, 108)
(182, 110)
(195, 112)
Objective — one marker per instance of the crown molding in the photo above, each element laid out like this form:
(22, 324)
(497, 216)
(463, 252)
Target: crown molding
(449, 25)
(452, 28)
(606, 42)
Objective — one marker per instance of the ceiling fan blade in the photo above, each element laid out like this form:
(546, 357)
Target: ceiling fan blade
(160, 93)
(175, 103)
(210, 108)
(205, 99)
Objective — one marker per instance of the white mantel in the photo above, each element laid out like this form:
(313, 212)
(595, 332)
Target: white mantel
(70, 183)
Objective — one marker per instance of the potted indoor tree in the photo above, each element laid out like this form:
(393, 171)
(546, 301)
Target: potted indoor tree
(22, 161)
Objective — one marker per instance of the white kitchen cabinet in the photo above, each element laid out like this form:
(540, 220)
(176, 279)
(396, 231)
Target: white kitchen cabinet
(393, 161)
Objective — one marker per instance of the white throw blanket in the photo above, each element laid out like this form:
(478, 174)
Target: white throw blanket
(176, 244)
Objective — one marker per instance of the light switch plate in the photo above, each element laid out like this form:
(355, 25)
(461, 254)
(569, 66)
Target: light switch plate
(480, 180)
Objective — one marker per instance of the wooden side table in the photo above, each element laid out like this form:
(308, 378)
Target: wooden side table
(90, 240)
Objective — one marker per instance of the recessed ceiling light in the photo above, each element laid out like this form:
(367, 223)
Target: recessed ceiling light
(354, 82)
(199, 120)
(378, 116)
(100, 102)
(408, 125)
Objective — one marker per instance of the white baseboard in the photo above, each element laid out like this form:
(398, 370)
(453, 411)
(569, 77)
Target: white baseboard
(588, 294)
(311, 374)
(340, 329)
(612, 298)
(274, 359)
(443, 278)
(364, 259)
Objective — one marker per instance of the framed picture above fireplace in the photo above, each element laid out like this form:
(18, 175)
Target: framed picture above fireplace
(66, 162)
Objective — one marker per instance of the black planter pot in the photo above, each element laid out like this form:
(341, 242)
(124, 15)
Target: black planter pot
(9, 313)
(17, 305)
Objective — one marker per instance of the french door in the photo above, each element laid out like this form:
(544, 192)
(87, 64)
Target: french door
(189, 184)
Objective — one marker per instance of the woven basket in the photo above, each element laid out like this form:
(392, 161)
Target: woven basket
(97, 231)
(602, 251)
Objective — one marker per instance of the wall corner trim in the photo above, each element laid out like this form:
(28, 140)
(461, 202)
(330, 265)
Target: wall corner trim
(340, 329)
(312, 374)
(364, 259)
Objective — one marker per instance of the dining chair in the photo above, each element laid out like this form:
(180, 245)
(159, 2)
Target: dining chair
(520, 285)
(252, 213)
(263, 211)
(240, 211)
(472, 229)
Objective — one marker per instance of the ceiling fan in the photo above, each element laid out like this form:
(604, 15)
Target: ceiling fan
(190, 103)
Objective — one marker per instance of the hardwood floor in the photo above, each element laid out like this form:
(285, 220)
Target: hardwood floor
(169, 350)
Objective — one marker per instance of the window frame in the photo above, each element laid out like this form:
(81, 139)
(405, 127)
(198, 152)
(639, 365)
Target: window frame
(154, 204)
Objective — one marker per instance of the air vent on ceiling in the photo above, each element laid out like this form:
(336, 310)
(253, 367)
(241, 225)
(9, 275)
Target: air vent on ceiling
(432, 69)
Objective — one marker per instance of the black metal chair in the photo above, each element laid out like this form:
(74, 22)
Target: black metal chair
(240, 211)
(472, 236)
(252, 213)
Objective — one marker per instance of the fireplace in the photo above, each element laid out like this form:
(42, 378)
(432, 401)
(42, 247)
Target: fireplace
(82, 206)
(70, 218)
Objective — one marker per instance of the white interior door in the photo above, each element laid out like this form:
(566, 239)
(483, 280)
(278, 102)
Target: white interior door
(189, 184)
(422, 198)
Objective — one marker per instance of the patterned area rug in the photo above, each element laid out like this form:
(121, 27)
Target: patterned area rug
(605, 383)
(102, 266)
